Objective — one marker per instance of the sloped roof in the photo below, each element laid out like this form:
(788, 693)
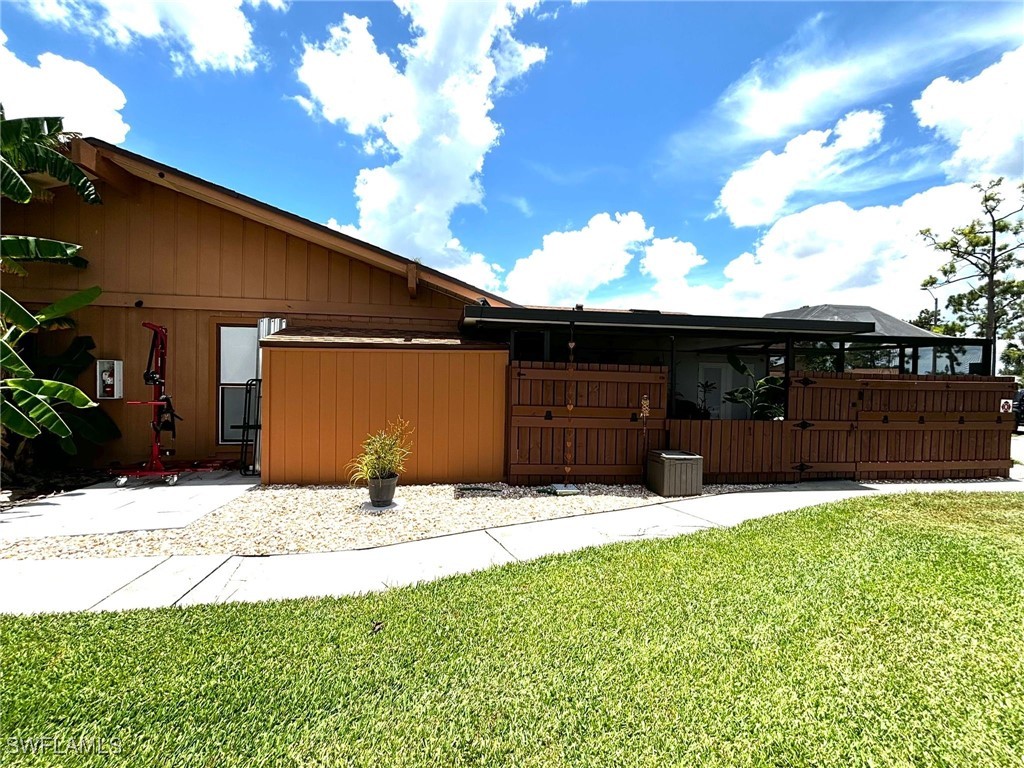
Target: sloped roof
(886, 326)
(117, 160)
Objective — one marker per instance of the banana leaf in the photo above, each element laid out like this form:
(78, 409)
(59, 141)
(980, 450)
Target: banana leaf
(12, 186)
(53, 390)
(58, 324)
(15, 314)
(18, 131)
(40, 412)
(739, 366)
(26, 248)
(11, 361)
(13, 419)
(69, 304)
(35, 157)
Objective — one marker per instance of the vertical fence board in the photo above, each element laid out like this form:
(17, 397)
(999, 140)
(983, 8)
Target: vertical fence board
(325, 402)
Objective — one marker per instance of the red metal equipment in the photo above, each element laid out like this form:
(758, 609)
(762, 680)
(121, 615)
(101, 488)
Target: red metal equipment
(164, 419)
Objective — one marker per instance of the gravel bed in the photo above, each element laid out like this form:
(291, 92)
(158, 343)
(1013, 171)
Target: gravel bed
(945, 480)
(281, 519)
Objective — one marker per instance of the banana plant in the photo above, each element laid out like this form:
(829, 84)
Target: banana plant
(764, 398)
(27, 403)
(35, 145)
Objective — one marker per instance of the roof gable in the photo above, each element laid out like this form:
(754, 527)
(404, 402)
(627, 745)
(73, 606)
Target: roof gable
(119, 167)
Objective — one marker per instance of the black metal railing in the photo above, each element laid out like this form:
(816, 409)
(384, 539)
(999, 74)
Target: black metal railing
(251, 425)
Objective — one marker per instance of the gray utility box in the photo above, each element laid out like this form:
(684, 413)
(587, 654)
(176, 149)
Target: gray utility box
(675, 473)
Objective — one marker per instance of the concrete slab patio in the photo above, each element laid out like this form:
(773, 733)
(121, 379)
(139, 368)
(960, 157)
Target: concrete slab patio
(138, 506)
(38, 586)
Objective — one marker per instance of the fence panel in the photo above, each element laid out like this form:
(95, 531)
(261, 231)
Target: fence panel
(862, 426)
(894, 426)
(583, 422)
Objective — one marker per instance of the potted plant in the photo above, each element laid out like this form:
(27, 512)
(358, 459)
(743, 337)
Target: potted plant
(703, 389)
(382, 461)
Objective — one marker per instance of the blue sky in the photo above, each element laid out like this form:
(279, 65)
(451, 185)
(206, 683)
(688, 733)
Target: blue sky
(719, 157)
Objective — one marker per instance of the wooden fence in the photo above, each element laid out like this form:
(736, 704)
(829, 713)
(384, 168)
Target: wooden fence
(320, 404)
(863, 426)
(883, 426)
(736, 451)
(583, 423)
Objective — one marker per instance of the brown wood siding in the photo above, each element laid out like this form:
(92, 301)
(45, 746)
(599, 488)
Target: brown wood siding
(194, 265)
(320, 404)
(164, 243)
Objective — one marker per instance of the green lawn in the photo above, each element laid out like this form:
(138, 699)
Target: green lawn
(884, 631)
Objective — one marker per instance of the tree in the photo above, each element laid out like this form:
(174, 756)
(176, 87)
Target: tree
(28, 404)
(984, 254)
(1013, 359)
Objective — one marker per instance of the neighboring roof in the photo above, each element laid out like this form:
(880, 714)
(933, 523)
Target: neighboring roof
(886, 326)
(474, 315)
(222, 197)
(362, 338)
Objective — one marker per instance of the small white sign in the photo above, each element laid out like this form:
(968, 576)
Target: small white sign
(1006, 406)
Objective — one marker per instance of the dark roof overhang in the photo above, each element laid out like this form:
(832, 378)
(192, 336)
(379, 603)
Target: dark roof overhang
(521, 318)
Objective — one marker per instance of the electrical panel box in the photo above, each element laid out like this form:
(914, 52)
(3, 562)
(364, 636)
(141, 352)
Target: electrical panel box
(109, 379)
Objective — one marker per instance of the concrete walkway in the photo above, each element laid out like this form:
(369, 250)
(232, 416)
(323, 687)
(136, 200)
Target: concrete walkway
(138, 506)
(44, 586)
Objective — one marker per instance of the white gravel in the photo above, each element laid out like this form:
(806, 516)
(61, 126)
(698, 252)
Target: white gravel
(280, 519)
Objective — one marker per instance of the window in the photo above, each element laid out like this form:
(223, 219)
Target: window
(237, 348)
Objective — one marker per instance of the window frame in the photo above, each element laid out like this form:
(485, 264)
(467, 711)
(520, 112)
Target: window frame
(219, 385)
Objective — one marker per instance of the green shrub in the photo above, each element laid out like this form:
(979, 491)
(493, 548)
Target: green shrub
(384, 453)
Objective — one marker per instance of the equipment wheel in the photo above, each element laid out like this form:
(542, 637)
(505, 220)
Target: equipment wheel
(171, 480)
(120, 482)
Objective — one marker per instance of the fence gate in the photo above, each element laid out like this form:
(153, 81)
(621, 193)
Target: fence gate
(583, 422)
(820, 437)
(878, 426)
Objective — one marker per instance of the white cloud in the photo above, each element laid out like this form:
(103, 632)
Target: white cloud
(758, 192)
(308, 106)
(827, 253)
(204, 34)
(89, 103)
(355, 84)
(981, 118)
(569, 265)
(430, 111)
(521, 204)
(816, 77)
(474, 269)
(669, 262)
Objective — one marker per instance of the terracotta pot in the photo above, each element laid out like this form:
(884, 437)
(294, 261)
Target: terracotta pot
(382, 491)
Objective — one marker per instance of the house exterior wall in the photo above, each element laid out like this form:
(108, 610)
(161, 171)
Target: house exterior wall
(320, 404)
(193, 266)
